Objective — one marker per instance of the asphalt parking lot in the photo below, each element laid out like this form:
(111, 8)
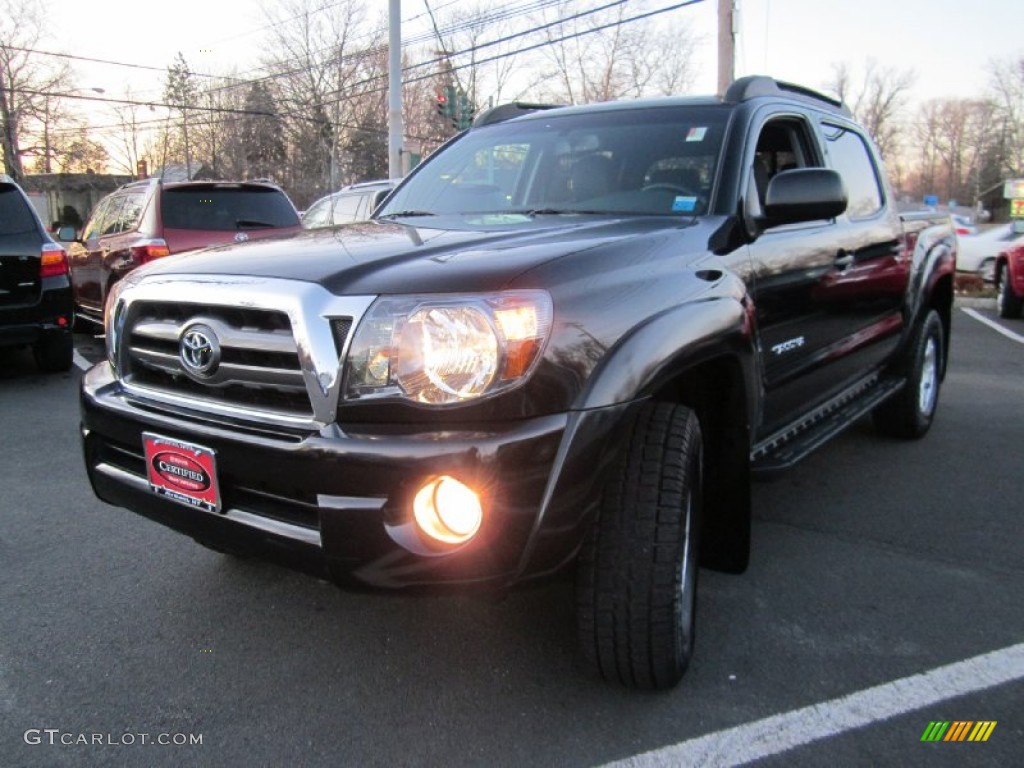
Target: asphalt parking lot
(884, 594)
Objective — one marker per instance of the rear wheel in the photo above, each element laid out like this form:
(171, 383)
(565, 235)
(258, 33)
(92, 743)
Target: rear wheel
(637, 577)
(909, 414)
(1007, 302)
(54, 353)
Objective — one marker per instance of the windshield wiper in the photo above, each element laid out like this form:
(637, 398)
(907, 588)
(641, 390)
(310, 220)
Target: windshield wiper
(251, 223)
(561, 212)
(406, 214)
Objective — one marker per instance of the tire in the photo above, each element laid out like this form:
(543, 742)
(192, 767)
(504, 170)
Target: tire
(910, 413)
(987, 270)
(54, 353)
(636, 585)
(1007, 302)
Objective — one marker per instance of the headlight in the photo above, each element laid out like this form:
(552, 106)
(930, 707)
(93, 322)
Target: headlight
(447, 349)
(113, 321)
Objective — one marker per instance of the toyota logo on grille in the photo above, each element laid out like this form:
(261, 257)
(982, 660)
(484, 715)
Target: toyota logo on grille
(199, 351)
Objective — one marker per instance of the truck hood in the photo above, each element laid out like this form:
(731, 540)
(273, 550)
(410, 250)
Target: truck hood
(387, 258)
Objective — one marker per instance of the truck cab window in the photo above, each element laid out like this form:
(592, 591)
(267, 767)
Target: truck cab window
(782, 145)
(849, 155)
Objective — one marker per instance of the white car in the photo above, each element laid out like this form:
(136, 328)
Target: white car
(977, 253)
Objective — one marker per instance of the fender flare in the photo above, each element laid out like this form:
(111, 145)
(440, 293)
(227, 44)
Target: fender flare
(644, 362)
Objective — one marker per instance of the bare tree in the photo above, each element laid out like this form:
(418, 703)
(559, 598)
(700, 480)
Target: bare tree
(28, 81)
(130, 118)
(877, 99)
(601, 53)
(953, 141)
(1006, 83)
(319, 67)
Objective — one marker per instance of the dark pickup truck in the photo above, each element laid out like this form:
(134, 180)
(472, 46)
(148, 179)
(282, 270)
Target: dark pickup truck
(567, 340)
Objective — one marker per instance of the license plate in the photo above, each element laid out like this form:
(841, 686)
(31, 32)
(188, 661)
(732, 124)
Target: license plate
(183, 472)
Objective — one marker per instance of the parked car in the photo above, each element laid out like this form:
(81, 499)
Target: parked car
(147, 220)
(1010, 281)
(963, 225)
(35, 294)
(977, 253)
(352, 203)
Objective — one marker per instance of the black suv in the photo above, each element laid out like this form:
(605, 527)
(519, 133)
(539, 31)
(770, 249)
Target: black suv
(35, 294)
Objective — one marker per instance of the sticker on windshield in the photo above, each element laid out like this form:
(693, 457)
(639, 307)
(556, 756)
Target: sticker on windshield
(697, 133)
(683, 204)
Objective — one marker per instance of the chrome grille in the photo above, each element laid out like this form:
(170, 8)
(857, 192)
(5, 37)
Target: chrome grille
(259, 359)
(275, 347)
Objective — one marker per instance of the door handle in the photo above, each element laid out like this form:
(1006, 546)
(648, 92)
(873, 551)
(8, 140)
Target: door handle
(843, 259)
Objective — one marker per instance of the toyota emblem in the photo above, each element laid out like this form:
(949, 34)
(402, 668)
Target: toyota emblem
(199, 351)
(241, 237)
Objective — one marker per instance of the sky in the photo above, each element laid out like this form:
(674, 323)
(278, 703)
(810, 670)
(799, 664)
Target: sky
(949, 44)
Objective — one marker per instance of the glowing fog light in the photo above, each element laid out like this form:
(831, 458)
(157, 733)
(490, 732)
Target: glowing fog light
(448, 510)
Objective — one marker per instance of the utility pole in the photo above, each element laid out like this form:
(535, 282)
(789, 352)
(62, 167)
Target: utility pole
(726, 45)
(395, 129)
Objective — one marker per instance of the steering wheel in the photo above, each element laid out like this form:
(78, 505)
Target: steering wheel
(668, 187)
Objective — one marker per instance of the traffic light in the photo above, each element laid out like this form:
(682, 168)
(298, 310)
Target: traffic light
(446, 102)
(464, 113)
(454, 105)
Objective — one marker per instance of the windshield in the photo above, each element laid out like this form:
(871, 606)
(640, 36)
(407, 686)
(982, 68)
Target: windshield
(648, 161)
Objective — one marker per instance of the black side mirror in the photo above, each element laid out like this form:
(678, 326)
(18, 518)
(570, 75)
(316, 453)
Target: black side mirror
(66, 234)
(804, 194)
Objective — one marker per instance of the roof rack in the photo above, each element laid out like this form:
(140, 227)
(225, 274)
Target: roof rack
(504, 112)
(752, 86)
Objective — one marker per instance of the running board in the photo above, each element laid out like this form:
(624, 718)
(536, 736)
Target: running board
(789, 445)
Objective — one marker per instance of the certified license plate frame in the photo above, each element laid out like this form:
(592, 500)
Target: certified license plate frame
(182, 471)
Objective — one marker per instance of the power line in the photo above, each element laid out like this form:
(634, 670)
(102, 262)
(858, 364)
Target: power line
(487, 18)
(137, 103)
(293, 114)
(518, 51)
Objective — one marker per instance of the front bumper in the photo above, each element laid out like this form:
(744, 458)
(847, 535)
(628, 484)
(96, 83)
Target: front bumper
(338, 504)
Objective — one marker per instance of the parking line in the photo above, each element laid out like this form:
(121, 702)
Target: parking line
(994, 325)
(80, 361)
(780, 733)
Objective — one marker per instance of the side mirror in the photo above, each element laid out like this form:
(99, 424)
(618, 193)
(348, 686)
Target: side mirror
(378, 198)
(804, 194)
(66, 234)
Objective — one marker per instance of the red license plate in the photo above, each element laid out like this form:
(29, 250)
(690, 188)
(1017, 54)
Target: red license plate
(183, 472)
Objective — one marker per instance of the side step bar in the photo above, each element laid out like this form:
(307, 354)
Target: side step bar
(792, 443)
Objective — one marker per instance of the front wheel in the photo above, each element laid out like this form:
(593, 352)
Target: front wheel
(637, 574)
(1007, 302)
(909, 414)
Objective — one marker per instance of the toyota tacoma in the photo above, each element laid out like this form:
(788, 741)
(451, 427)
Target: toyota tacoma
(566, 341)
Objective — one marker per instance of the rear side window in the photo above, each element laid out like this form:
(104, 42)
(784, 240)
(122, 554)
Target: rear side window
(226, 209)
(850, 156)
(130, 212)
(15, 216)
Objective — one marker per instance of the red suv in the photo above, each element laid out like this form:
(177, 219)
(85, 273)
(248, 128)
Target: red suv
(1010, 281)
(147, 220)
